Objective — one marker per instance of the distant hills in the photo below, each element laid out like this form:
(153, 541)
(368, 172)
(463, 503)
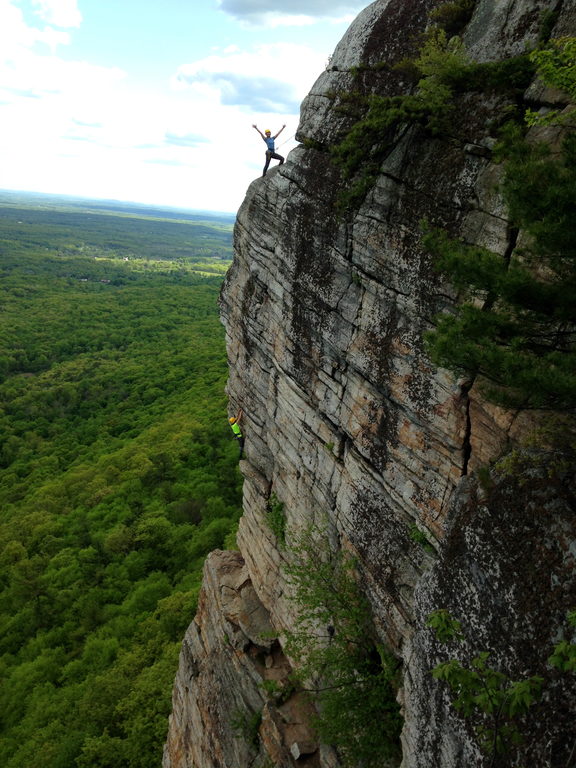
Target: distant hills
(49, 201)
(108, 228)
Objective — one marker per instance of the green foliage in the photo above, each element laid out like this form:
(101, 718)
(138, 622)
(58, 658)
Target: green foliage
(482, 690)
(368, 140)
(556, 65)
(276, 518)
(440, 56)
(419, 537)
(453, 16)
(312, 144)
(352, 196)
(366, 144)
(539, 188)
(564, 655)
(510, 76)
(484, 477)
(517, 326)
(230, 541)
(519, 329)
(117, 475)
(551, 447)
(493, 702)
(440, 71)
(351, 680)
(272, 687)
(116, 231)
(485, 695)
(443, 56)
(246, 725)
(356, 277)
(445, 627)
(548, 19)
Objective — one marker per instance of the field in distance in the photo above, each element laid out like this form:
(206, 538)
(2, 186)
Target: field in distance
(109, 229)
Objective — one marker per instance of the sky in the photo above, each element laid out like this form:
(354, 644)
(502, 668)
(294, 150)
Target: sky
(154, 102)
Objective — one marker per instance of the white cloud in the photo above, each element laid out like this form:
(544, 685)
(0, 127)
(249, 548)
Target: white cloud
(273, 20)
(78, 128)
(49, 75)
(61, 13)
(223, 95)
(272, 77)
(273, 13)
(26, 71)
(52, 111)
(17, 36)
(185, 140)
(256, 93)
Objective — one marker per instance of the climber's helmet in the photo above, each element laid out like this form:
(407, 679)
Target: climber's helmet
(232, 419)
(267, 132)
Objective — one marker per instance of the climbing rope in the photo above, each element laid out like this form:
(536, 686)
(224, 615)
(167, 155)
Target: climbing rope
(286, 141)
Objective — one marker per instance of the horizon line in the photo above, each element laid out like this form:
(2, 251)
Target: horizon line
(111, 200)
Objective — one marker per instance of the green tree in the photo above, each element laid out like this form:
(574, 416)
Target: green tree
(517, 325)
(518, 328)
(350, 677)
(489, 698)
(97, 578)
(556, 66)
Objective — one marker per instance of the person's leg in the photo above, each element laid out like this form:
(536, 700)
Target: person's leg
(268, 158)
(276, 156)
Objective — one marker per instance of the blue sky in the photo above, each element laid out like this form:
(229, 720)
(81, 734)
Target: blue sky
(154, 101)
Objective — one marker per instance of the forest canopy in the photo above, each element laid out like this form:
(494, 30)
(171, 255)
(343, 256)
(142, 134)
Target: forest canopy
(117, 475)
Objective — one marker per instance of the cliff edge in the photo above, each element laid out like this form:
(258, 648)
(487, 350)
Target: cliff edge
(350, 428)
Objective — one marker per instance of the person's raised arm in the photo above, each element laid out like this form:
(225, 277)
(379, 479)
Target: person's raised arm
(259, 131)
(280, 131)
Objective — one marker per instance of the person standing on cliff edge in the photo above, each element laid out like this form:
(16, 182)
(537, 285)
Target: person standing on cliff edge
(271, 153)
(234, 422)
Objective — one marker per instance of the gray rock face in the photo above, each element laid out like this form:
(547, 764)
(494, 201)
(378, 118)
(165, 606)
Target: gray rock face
(221, 713)
(347, 421)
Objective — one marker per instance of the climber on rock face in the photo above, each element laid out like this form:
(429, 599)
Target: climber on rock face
(271, 154)
(234, 422)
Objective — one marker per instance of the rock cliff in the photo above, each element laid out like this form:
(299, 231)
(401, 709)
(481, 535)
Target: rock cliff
(352, 428)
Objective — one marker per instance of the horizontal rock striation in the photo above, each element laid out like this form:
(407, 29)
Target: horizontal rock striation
(352, 428)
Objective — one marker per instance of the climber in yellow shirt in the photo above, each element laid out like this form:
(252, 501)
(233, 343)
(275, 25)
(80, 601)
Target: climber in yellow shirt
(234, 422)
